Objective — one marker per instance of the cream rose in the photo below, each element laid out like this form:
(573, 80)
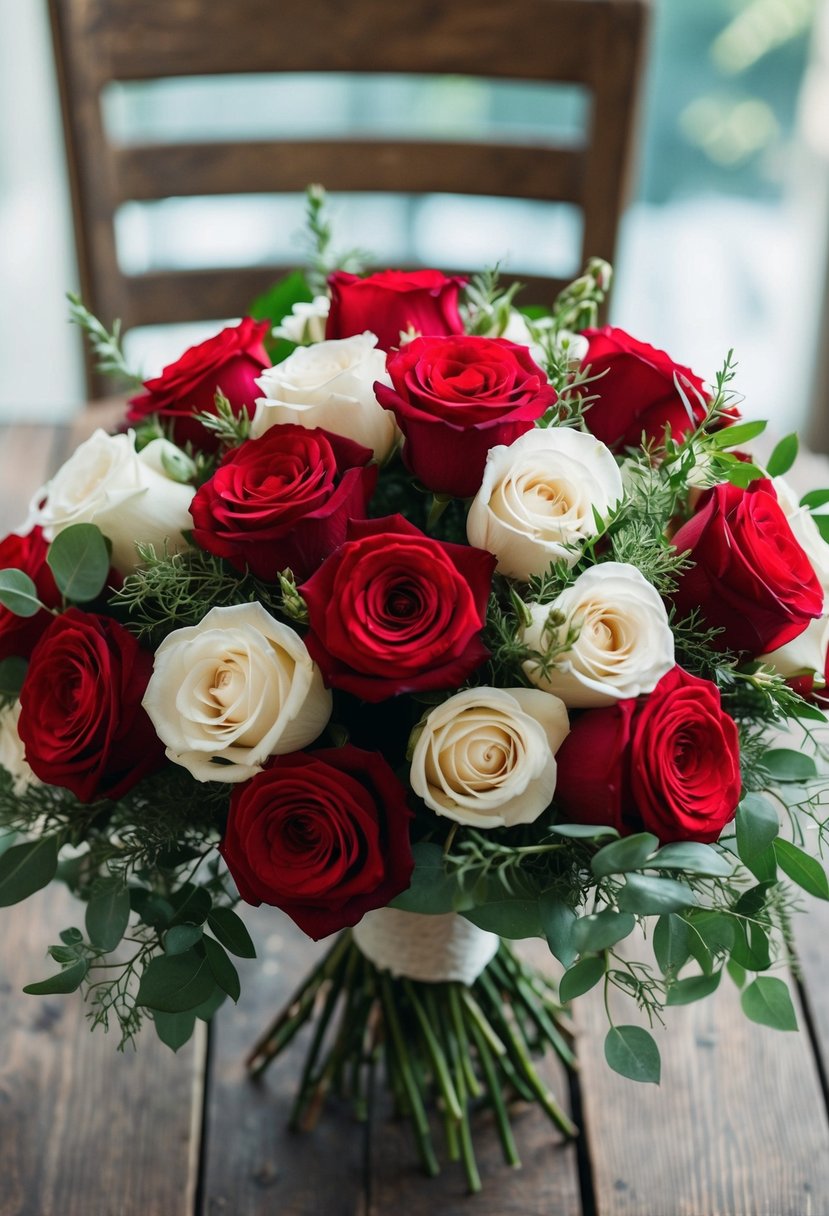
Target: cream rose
(233, 690)
(806, 533)
(623, 645)
(486, 757)
(804, 654)
(330, 385)
(12, 753)
(127, 494)
(539, 499)
(306, 322)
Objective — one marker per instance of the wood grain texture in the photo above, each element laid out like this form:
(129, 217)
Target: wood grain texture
(737, 1127)
(595, 43)
(83, 1129)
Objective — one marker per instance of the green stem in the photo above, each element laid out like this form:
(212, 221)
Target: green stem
(439, 1064)
(496, 1097)
(401, 1056)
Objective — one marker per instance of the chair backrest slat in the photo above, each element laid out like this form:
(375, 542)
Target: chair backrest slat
(593, 43)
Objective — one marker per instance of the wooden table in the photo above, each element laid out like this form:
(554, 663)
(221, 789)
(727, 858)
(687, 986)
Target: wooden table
(737, 1128)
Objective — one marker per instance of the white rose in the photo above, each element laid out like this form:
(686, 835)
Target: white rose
(125, 493)
(331, 385)
(539, 498)
(803, 654)
(306, 324)
(806, 533)
(486, 757)
(12, 753)
(624, 645)
(233, 690)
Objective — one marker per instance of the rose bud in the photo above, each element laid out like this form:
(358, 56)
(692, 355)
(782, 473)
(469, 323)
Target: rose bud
(392, 303)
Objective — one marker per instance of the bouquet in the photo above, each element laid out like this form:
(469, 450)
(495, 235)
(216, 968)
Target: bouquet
(435, 624)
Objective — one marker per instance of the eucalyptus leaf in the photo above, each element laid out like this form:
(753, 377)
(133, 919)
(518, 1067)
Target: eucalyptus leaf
(557, 920)
(510, 918)
(18, 593)
(224, 972)
(734, 436)
(694, 858)
(648, 896)
(757, 825)
(181, 938)
(670, 943)
(229, 928)
(601, 930)
(26, 868)
(751, 947)
(108, 913)
(785, 764)
(79, 559)
(12, 674)
(632, 1052)
(767, 1001)
(580, 978)
(176, 983)
(68, 980)
(174, 1029)
(694, 988)
(583, 831)
(801, 868)
(629, 853)
(192, 905)
(431, 890)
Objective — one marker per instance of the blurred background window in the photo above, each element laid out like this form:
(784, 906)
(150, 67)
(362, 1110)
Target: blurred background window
(724, 243)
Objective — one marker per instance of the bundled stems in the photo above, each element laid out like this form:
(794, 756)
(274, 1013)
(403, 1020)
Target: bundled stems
(448, 1047)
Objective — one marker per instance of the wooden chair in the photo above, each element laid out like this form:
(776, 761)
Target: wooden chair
(593, 43)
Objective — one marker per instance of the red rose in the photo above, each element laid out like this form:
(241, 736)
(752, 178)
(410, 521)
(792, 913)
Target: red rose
(394, 611)
(637, 391)
(392, 302)
(283, 500)
(81, 718)
(18, 634)
(750, 576)
(323, 836)
(455, 398)
(668, 763)
(231, 361)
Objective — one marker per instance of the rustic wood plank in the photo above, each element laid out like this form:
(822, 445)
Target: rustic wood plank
(83, 1129)
(811, 936)
(401, 166)
(254, 1166)
(737, 1128)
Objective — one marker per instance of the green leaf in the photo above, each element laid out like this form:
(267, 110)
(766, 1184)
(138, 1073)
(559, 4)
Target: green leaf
(815, 498)
(26, 868)
(733, 436)
(785, 764)
(629, 853)
(153, 910)
(230, 930)
(224, 972)
(580, 978)
(79, 559)
(191, 904)
(206, 1010)
(767, 1001)
(601, 930)
(741, 474)
(646, 896)
(822, 524)
(757, 826)
(670, 943)
(751, 947)
(717, 929)
(275, 304)
(71, 937)
(12, 674)
(806, 871)
(557, 920)
(175, 983)
(694, 988)
(181, 938)
(18, 593)
(582, 831)
(431, 890)
(783, 456)
(174, 1029)
(693, 857)
(511, 918)
(737, 973)
(802, 709)
(108, 913)
(632, 1052)
(68, 980)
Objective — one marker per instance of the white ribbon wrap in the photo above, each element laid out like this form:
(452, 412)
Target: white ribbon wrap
(433, 949)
